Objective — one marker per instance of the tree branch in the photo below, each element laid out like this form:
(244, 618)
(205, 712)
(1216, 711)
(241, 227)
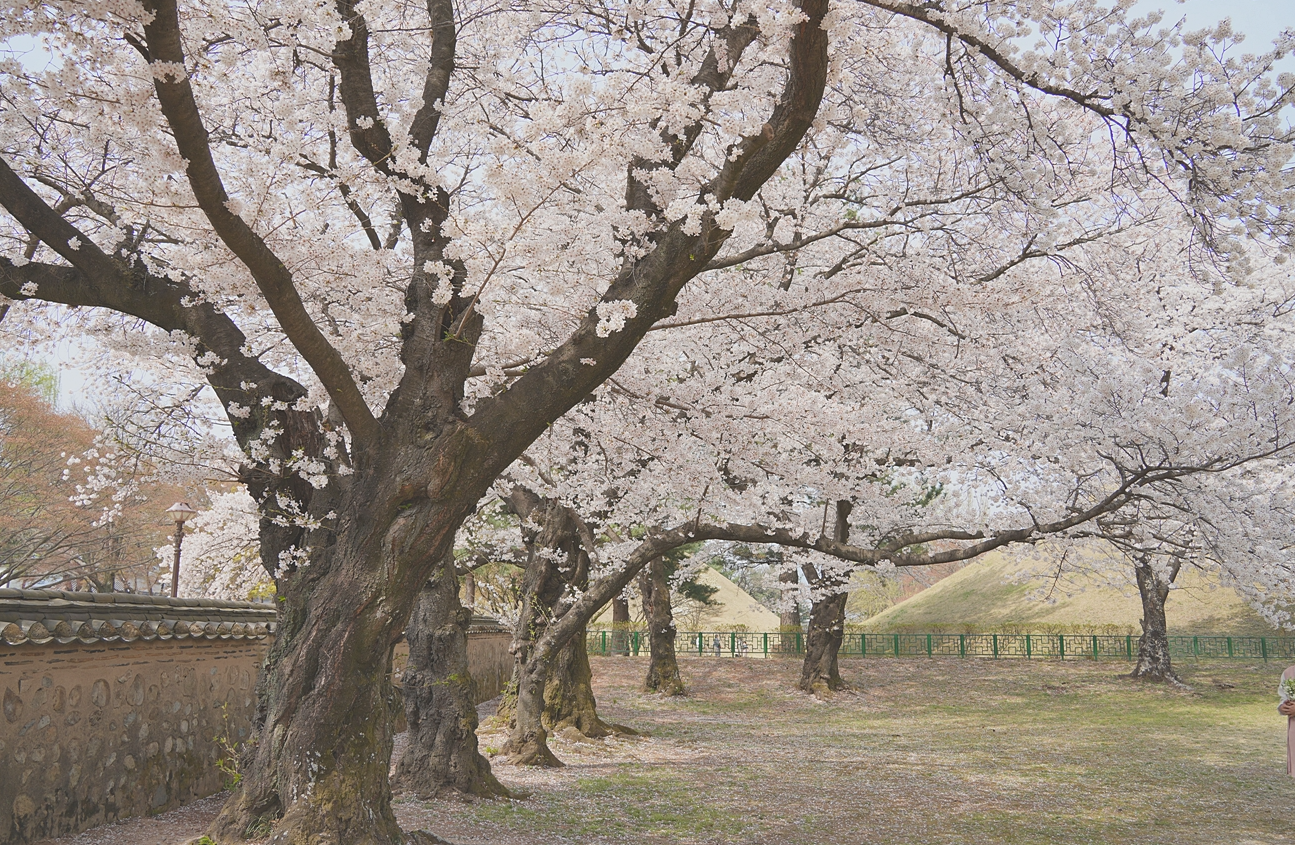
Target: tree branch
(514, 418)
(96, 280)
(175, 95)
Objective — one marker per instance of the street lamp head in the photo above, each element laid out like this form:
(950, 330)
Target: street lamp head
(180, 511)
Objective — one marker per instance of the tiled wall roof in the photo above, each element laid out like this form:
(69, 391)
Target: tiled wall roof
(38, 617)
(486, 625)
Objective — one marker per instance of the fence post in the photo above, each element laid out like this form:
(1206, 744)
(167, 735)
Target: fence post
(766, 644)
(863, 645)
(799, 647)
(1128, 646)
(928, 645)
(1196, 647)
(1263, 648)
(995, 645)
(701, 644)
(1229, 646)
(962, 645)
(1061, 638)
(1094, 646)
(897, 645)
(1027, 646)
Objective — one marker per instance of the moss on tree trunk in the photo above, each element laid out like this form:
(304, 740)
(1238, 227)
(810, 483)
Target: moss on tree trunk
(528, 739)
(440, 699)
(320, 767)
(318, 771)
(663, 666)
(569, 694)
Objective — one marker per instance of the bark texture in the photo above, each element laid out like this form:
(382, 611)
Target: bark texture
(663, 666)
(1153, 646)
(820, 674)
(555, 559)
(569, 694)
(528, 739)
(321, 760)
(440, 699)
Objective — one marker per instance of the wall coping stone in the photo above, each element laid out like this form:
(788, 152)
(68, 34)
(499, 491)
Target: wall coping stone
(40, 617)
(482, 624)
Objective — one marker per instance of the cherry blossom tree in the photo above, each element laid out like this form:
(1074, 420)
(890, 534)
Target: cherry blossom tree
(222, 559)
(400, 242)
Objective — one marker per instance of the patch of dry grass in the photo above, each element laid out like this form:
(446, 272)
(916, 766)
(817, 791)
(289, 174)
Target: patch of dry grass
(929, 751)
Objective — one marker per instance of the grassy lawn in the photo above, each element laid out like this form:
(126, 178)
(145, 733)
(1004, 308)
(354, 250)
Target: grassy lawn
(928, 751)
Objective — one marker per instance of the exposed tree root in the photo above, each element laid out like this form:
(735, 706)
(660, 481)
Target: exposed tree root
(531, 751)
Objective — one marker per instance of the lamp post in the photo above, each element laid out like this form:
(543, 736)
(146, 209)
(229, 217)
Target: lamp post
(180, 511)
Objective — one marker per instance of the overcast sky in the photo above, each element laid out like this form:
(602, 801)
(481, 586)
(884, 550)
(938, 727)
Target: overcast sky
(1260, 20)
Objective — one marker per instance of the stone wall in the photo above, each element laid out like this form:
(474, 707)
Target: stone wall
(118, 705)
(489, 660)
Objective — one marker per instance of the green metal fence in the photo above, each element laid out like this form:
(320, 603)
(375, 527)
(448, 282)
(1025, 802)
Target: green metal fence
(1030, 646)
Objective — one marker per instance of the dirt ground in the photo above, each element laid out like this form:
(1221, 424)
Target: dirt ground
(926, 751)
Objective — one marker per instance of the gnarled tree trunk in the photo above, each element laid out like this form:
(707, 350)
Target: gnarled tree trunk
(1153, 646)
(528, 738)
(551, 687)
(554, 559)
(569, 693)
(440, 698)
(320, 765)
(820, 674)
(663, 666)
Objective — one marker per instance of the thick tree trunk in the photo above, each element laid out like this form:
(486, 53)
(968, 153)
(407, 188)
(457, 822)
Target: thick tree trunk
(1153, 646)
(555, 559)
(620, 626)
(569, 693)
(663, 667)
(440, 699)
(528, 739)
(322, 759)
(819, 674)
(318, 772)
